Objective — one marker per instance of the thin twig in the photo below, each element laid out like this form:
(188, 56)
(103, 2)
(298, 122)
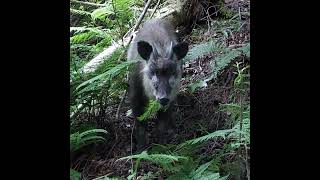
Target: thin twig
(120, 104)
(142, 15)
(154, 10)
(88, 3)
(91, 66)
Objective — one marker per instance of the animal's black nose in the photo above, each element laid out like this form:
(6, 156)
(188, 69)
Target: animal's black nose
(164, 101)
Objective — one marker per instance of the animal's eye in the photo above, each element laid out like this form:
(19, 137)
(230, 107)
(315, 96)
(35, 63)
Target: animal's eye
(157, 72)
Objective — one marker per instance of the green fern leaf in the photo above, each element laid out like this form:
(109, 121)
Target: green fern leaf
(219, 133)
(160, 159)
(92, 131)
(74, 175)
(202, 49)
(108, 75)
(79, 140)
(152, 108)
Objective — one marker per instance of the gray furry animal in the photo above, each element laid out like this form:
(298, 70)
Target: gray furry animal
(156, 76)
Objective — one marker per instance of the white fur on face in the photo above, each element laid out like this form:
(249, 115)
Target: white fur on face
(145, 67)
(154, 79)
(148, 87)
(175, 85)
(151, 92)
(147, 84)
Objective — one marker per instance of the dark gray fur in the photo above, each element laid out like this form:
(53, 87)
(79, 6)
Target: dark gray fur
(156, 76)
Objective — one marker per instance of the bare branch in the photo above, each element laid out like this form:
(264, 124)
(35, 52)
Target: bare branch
(142, 15)
(154, 10)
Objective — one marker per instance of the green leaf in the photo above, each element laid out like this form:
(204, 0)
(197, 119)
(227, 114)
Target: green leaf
(79, 140)
(219, 133)
(155, 158)
(202, 49)
(102, 13)
(109, 74)
(92, 131)
(198, 172)
(152, 108)
(74, 175)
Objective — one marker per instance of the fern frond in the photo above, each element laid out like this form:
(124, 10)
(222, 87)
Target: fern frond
(106, 76)
(222, 61)
(226, 58)
(152, 108)
(219, 133)
(121, 8)
(102, 13)
(202, 49)
(198, 172)
(74, 175)
(92, 131)
(78, 140)
(155, 158)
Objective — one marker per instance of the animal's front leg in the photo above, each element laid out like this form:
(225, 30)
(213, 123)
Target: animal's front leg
(164, 125)
(141, 135)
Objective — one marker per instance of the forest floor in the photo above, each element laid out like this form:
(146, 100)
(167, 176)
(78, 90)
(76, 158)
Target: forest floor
(196, 113)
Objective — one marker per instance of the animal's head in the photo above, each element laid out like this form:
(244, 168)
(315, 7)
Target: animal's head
(162, 69)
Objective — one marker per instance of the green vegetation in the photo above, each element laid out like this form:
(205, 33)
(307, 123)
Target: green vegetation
(94, 28)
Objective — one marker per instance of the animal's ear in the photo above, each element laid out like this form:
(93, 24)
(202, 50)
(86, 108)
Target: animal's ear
(144, 49)
(181, 50)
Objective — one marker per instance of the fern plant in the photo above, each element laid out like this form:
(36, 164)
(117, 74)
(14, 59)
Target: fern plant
(203, 49)
(96, 89)
(164, 160)
(225, 57)
(74, 175)
(201, 172)
(116, 14)
(219, 133)
(104, 77)
(79, 140)
(152, 108)
(160, 159)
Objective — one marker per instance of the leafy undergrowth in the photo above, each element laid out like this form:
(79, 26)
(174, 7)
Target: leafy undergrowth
(212, 139)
